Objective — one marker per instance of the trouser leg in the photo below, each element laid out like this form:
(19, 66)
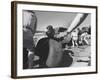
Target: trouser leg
(25, 58)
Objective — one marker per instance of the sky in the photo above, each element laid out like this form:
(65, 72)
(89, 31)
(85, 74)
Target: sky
(57, 19)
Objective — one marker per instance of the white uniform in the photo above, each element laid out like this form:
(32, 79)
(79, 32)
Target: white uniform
(74, 36)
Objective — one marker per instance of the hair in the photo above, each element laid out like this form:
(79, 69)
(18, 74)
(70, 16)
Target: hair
(50, 27)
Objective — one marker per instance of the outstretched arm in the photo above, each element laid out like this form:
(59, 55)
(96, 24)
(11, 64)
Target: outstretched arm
(75, 23)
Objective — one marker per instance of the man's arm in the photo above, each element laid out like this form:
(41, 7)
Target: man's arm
(75, 23)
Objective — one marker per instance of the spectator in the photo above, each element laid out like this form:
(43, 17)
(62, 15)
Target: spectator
(74, 36)
(83, 38)
(29, 27)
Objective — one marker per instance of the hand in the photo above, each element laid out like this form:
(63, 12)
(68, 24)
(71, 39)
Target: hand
(30, 59)
(67, 38)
